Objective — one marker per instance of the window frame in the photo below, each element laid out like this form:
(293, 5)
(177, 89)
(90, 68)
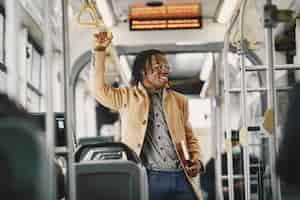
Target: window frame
(30, 83)
(36, 47)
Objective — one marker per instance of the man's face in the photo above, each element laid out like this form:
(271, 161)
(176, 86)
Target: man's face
(156, 73)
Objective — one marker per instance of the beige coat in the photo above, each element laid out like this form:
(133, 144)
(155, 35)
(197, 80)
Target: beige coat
(133, 106)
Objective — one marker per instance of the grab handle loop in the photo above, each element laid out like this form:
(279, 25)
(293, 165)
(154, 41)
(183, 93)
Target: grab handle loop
(89, 6)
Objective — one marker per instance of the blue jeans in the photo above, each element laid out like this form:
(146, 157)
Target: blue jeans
(169, 185)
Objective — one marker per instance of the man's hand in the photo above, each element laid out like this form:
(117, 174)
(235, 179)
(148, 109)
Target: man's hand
(194, 168)
(101, 40)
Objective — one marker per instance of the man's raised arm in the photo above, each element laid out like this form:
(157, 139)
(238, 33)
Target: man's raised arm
(107, 95)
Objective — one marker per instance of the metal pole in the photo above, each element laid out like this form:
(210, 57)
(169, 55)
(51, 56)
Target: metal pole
(70, 139)
(227, 105)
(50, 136)
(271, 105)
(244, 103)
(217, 130)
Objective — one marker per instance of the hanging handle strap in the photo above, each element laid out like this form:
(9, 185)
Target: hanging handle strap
(89, 6)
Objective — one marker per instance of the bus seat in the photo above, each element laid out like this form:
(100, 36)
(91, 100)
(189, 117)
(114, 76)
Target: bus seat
(22, 161)
(112, 179)
(94, 140)
(88, 151)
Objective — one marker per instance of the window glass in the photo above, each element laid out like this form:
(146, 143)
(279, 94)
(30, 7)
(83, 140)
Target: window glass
(32, 101)
(36, 69)
(34, 65)
(29, 55)
(2, 82)
(34, 62)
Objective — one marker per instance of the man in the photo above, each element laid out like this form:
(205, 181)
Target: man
(154, 121)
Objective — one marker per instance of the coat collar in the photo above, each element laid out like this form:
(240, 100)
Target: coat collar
(140, 86)
(165, 90)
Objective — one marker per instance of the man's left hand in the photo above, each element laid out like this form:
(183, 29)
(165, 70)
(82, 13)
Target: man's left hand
(195, 167)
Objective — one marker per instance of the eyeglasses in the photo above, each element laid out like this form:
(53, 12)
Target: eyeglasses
(162, 67)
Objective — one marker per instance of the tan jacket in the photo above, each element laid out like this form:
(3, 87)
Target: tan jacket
(133, 106)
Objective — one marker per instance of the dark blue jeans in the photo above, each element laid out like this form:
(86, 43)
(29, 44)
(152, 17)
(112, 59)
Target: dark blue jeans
(169, 185)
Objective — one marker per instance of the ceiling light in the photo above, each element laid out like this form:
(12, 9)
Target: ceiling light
(164, 16)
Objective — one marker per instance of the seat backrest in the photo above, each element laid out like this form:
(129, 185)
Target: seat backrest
(112, 179)
(22, 157)
(82, 154)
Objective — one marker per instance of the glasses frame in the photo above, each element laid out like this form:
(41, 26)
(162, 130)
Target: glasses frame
(162, 67)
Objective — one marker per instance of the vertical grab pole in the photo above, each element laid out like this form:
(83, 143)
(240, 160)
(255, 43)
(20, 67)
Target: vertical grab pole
(241, 51)
(227, 124)
(271, 102)
(50, 136)
(217, 130)
(70, 139)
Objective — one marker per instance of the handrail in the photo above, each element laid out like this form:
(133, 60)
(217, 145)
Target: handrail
(272, 103)
(226, 111)
(71, 190)
(89, 6)
(244, 129)
(50, 133)
(227, 99)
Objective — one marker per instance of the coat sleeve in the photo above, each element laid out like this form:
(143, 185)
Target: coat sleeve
(114, 98)
(192, 141)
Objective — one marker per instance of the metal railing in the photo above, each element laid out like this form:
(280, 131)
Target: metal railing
(271, 90)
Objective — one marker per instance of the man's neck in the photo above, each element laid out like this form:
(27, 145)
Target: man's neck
(149, 86)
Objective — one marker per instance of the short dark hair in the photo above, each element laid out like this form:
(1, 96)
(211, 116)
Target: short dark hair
(139, 64)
